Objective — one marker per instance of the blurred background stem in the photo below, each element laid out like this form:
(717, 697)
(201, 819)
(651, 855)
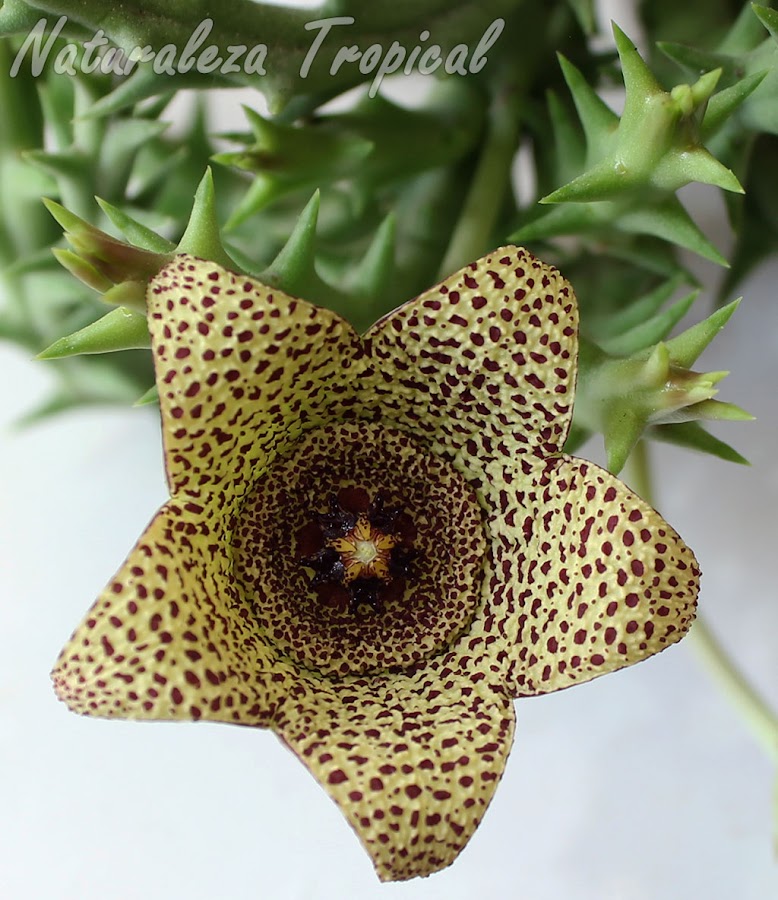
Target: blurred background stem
(486, 195)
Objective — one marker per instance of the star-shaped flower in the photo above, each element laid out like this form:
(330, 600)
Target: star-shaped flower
(373, 544)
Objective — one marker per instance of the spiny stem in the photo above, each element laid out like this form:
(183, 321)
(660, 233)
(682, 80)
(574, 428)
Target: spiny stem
(487, 190)
(754, 709)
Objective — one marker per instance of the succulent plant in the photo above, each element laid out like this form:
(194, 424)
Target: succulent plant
(358, 204)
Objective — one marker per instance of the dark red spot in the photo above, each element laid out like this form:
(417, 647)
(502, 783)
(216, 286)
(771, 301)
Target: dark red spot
(337, 777)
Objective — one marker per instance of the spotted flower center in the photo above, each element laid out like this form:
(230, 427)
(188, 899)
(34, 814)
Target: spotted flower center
(360, 550)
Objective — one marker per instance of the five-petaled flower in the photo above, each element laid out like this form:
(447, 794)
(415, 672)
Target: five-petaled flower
(374, 544)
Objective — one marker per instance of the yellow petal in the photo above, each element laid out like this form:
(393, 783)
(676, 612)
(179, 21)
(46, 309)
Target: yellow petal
(171, 637)
(483, 365)
(413, 766)
(241, 370)
(590, 578)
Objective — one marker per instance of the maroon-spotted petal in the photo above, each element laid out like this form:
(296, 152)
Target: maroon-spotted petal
(241, 369)
(412, 762)
(171, 637)
(482, 365)
(588, 578)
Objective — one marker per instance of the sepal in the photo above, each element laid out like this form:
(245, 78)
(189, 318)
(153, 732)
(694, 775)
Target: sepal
(149, 397)
(623, 427)
(120, 329)
(294, 268)
(114, 260)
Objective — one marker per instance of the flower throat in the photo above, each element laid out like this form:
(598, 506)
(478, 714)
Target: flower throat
(364, 551)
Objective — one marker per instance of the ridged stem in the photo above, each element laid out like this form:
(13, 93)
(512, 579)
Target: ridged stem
(486, 195)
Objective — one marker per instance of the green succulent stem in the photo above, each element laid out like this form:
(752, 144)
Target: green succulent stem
(638, 472)
(28, 125)
(761, 720)
(486, 194)
(752, 707)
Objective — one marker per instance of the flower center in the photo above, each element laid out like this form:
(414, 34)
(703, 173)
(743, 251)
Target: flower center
(360, 550)
(363, 549)
(365, 552)
(359, 555)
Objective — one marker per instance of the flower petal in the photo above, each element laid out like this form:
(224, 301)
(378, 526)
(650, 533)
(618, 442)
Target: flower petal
(412, 765)
(241, 369)
(587, 577)
(483, 365)
(171, 637)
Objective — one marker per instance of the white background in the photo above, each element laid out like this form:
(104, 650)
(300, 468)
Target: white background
(644, 784)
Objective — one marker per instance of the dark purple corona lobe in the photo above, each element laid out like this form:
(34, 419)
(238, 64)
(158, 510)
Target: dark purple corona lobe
(365, 551)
